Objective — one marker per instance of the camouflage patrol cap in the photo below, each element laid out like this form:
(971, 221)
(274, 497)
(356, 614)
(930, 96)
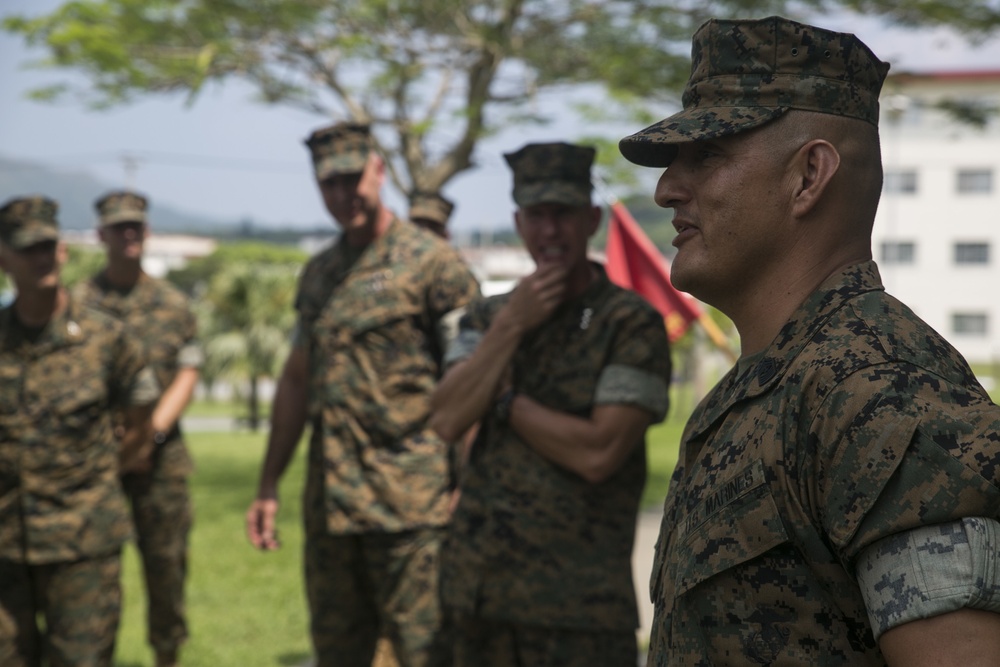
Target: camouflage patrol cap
(341, 148)
(25, 221)
(121, 206)
(431, 207)
(552, 173)
(745, 73)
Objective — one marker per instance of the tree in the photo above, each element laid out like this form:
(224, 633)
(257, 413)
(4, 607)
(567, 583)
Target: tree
(198, 273)
(82, 263)
(245, 325)
(433, 76)
(250, 323)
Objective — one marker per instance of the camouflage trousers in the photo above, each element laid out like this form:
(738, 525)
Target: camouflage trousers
(363, 586)
(487, 643)
(79, 602)
(161, 511)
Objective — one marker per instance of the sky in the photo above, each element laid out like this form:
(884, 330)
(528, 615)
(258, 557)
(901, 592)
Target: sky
(229, 158)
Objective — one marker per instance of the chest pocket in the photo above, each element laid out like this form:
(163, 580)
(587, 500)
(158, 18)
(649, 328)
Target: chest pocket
(735, 522)
(373, 302)
(78, 409)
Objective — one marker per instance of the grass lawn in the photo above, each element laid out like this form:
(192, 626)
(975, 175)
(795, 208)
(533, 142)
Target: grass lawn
(246, 607)
(219, 408)
(661, 452)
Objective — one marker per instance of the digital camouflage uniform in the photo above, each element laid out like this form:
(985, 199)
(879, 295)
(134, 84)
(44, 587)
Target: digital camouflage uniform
(63, 516)
(858, 422)
(532, 543)
(373, 323)
(161, 317)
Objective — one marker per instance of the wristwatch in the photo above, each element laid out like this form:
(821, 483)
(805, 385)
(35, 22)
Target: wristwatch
(159, 437)
(502, 407)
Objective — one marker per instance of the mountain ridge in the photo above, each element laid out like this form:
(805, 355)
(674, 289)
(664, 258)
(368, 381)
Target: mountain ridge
(75, 190)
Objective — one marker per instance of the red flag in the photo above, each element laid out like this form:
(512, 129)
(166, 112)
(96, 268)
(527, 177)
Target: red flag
(633, 262)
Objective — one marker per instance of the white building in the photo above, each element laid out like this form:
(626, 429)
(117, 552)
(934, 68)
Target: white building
(498, 268)
(937, 232)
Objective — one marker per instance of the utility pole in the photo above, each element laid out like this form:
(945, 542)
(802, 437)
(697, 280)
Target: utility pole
(130, 164)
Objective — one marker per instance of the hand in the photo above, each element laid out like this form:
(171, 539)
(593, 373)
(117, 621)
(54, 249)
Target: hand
(260, 524)
(138, 463)
(537, 296)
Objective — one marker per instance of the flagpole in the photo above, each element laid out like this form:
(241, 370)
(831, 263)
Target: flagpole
(715, 334)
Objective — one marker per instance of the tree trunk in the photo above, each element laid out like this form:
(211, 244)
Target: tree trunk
(253, 420)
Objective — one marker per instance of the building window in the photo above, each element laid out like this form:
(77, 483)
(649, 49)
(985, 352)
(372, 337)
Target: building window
(899, 252)
(900, 182)
(969, 324)
(972, 253)
(975, 181)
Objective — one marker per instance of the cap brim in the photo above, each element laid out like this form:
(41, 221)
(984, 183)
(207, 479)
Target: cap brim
(430, 218)
(123, 217)
(340, 165)
(552, 192)
(26, 238)
(428, 222)
(656, 146)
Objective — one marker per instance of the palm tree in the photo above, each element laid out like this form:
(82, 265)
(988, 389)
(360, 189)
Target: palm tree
(249, 324)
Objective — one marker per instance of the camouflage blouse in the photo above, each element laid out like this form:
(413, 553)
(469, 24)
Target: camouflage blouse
(534, 543)
(858, 422)
(374, 326)
(60, 497)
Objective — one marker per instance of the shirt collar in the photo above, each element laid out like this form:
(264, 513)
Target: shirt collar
(61, 331)
(750, 380)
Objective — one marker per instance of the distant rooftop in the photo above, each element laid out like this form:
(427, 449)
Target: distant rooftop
(946, 76)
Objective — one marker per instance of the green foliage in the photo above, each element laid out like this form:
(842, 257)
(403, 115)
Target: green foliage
(200, 271)
(83, 262)
(434, 76)
(246, 317)
(243, 295)
(970, 113)
(975, 19)
(662, 446)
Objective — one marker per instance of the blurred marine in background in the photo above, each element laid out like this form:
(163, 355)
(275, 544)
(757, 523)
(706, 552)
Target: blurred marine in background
(563, 375)
(160, 316)
(375, 314)
(432, 212)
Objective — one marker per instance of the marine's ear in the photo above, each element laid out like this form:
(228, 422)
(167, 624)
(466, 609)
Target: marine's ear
(817, 161)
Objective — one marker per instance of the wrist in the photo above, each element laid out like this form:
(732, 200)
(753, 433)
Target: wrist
(267, 489)
(508, 323)
(159, 437)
